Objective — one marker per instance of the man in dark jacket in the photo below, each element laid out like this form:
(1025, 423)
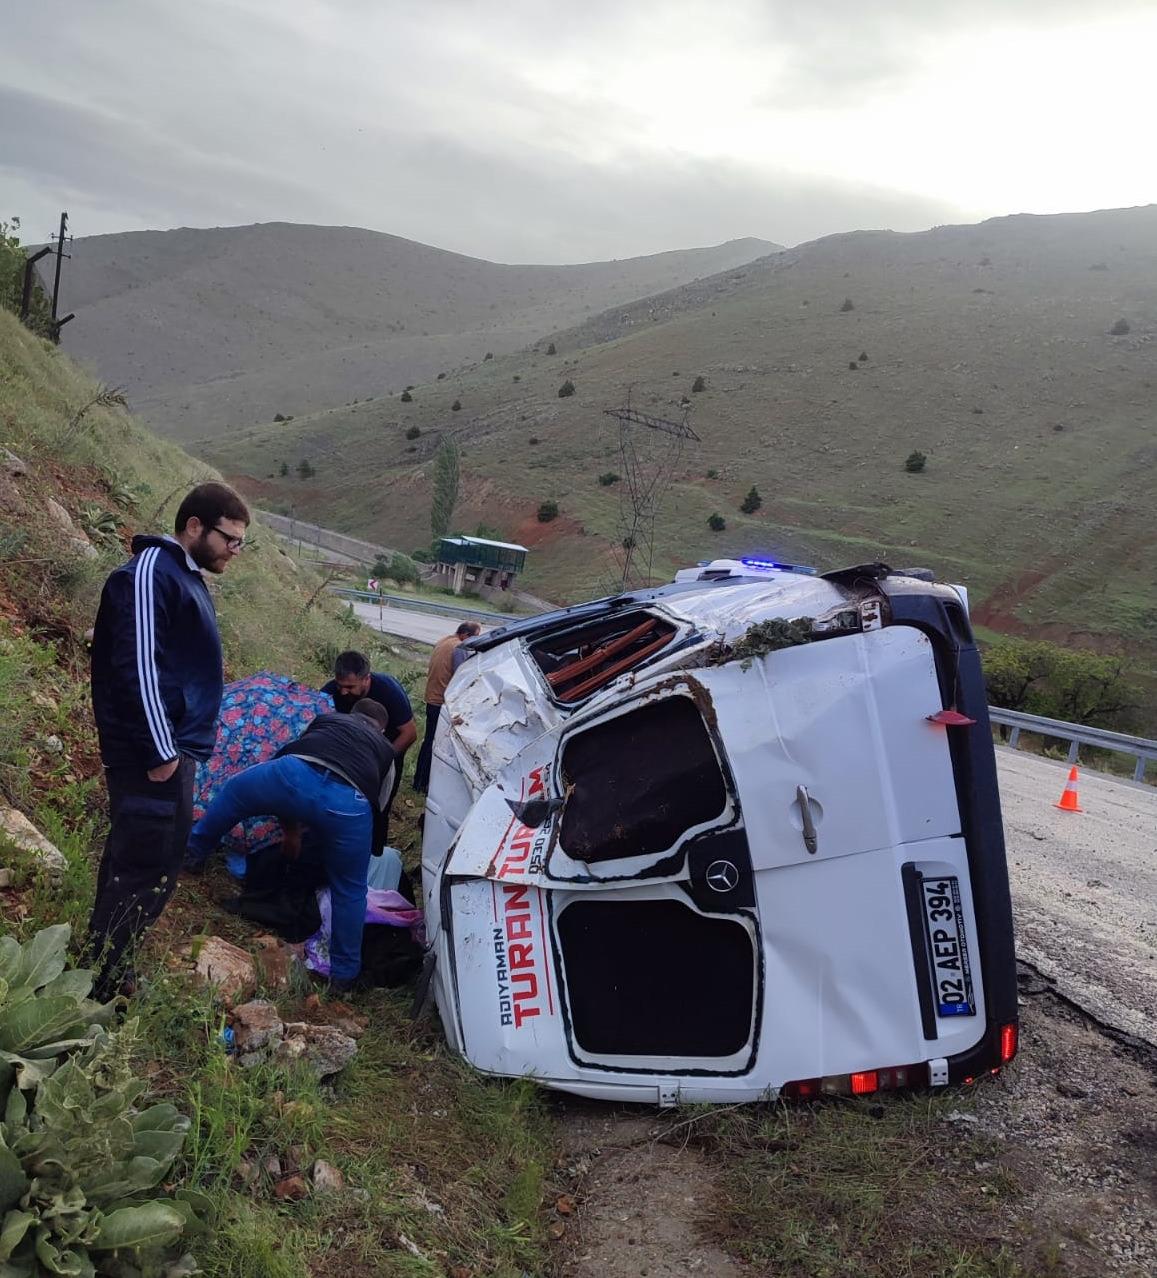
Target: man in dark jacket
(336, 779)
(156, 691)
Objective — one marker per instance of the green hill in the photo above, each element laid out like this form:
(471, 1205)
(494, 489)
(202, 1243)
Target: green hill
(988, 348)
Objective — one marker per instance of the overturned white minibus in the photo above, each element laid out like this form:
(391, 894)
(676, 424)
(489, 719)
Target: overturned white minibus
(678, 849)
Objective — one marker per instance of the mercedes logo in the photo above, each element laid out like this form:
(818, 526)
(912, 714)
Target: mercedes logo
(722, 876)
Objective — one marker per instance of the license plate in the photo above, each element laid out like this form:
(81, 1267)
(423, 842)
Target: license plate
(947, 947)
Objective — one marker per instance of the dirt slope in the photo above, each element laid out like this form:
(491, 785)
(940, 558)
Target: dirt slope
(213, 329)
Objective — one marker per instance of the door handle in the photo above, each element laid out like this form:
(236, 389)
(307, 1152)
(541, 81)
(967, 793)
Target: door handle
(810, 838)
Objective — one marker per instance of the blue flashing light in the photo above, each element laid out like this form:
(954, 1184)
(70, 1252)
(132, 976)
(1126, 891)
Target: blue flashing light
(771, 565)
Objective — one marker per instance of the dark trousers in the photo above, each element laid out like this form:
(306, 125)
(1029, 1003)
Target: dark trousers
(426, 754)
(149, 827)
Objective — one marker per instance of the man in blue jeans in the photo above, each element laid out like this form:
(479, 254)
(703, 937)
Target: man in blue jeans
(336, 778)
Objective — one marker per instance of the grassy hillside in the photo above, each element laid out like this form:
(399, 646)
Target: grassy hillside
(406, 1123)
(209, 330)
(986, 347)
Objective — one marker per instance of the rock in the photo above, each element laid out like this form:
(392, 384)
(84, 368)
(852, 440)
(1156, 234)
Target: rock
(957, 1116)
(11, 465)
(256, 1025)
(272, 1167)
(292, 1189)
(323, 1047)
(7, 878)
(59, 515)
(1094, 883)
(83, 546)
(1072, 1090)
(275, 961)
(52, 745)
(18, 830)
(226, 966)
(326, 1178)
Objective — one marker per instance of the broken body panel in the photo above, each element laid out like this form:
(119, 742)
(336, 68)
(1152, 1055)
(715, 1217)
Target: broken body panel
(704, 878)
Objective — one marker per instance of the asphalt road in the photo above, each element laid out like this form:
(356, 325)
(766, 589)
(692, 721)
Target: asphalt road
(426, 627)
(1084, 887)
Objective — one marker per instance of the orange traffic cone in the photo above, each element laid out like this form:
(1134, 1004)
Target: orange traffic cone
(1068, 800)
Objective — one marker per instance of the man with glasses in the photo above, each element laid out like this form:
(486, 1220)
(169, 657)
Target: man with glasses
(156, 690)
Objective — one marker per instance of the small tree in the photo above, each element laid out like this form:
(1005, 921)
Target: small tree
(445, 495)
(283, 470)
(407, 398)
(853, 366)
(456, 406)
(566, 389)
(699, 384)
(914, 462)
(305, 469)
(1120, 328)
(547, 511)
(716, 522)
(848, 305)
(550, 350)
(516, 378)
(608, 478)
(413, 432)
(441, 377)
(488, 355)
(863, 357)
(712, 473)
(280, 417)
(752, 502)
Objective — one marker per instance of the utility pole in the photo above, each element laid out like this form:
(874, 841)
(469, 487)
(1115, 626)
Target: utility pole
(56, 325)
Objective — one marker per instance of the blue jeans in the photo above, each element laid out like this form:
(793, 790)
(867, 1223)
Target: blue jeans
(340, 818)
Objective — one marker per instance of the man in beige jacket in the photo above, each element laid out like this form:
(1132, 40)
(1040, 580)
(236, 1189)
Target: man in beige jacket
(438, 676)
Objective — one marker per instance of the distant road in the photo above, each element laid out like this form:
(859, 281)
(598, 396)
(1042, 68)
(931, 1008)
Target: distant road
(424, 626)
(1084, 887)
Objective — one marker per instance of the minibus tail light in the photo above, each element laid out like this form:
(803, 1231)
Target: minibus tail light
(1009, 1041)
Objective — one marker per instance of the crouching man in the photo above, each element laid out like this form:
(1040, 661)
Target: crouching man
(336, 778)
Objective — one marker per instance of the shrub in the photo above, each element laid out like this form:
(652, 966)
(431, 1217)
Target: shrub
(607, 478)
(547, 511)
(456, 406)
(848, 305)
(1072, 684)
(566, 389)
(853, 366)
(79, 1158)
(699, 384)
(712, 473)
(914, 462)
(283, 469)
(1120, 328)
(441, 377)
(517, 378)
(402, 569)
(533, 440)
(752, 502)
(422, 555)
(279, 417)
(684, 399)
(413, 432)
(863, 357)
(488, 355)
(550, 350)
(407, 398)
(716, 522)
(305, 468)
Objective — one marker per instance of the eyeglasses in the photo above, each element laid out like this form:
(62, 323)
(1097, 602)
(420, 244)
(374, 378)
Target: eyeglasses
(234, 543)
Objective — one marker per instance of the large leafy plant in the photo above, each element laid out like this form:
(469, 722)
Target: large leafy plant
(79, 1158)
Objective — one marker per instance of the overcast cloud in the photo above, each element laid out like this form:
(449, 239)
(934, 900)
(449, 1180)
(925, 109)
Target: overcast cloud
(551, 132)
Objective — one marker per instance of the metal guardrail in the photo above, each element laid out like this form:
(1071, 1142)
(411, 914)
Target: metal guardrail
(1141, 748)
(412, 604)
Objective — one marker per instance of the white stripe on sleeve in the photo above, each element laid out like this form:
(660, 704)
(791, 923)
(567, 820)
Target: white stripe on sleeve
(147, 657)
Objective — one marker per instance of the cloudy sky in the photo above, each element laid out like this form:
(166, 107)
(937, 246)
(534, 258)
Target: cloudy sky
(567, 130)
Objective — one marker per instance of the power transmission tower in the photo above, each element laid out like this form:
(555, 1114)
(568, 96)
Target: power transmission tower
(650, 449)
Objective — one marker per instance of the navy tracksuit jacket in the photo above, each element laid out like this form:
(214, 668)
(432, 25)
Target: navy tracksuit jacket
(156, 660)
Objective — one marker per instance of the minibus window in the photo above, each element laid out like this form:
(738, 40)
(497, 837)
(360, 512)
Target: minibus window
(636, 783)
(579, 661)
